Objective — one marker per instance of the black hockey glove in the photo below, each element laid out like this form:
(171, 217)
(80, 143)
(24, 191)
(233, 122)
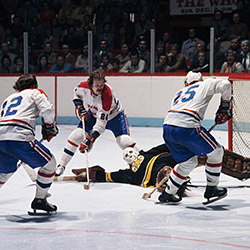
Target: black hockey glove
(49, 130)
(80, 110)
(224, 113)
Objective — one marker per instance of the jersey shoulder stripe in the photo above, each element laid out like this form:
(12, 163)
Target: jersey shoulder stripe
(84, 85)
(106, 98)
(42, 92)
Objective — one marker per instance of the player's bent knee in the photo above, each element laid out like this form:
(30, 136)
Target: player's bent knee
(125, 141)
(216, 154)
(51, 165)
(76, 136)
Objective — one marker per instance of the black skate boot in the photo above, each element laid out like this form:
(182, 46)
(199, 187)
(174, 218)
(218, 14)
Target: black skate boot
(214, 192)
(42, 204)
(169, 198)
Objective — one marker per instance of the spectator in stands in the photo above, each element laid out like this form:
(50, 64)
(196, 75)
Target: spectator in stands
(32, 58)
(221, 26)
(231, 65)
(142, 25)
(5, 67)
(123, 57)
(134, 65)
(115, 66)
(202, 65)
(61, 66)
(43, 65)
(188, 46)
(218, 55)
(65, 14)
(34, 38)
(82, 59)
(238, 28)
(17, 29)
(107, 35)
(143, 52)
(81, 11)
(176, 60)
(161, 65)
(10, 40)
(235, 45)
(103, 49)
(198, 47)
(18, 66)
(26, 12)
(121, 37)
(35, 22)
(47, 14)
(5, 51)
(71, 38)
(167, 42)
(160, 49)
(245, 55)
(68, 56)
(49, 53)
(105, 65)
(243, 10)
(49, 37)
(124, 21)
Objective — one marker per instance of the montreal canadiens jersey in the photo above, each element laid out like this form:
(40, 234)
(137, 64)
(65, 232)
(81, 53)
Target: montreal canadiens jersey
(190, 103)
(103, 107)
(19, 114)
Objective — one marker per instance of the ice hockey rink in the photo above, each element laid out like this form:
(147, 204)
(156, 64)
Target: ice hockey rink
(114, 216)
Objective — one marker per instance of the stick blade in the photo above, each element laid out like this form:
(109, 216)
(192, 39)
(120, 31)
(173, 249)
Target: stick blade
(86, 187)
(146, 195)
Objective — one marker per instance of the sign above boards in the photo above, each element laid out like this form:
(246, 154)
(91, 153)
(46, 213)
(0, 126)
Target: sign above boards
(201, 7)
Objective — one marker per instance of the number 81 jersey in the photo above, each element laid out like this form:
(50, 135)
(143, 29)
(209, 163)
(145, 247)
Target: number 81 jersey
(190, 103)
(19, 114)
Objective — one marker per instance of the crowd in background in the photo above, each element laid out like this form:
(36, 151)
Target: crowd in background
(58, 37)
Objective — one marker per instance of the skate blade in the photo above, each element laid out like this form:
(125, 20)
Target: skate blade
(214, 199)
(45, 213)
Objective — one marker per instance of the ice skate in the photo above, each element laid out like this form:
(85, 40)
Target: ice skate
(214, 192)
(169, 198)
(42, 204)
(59, 170)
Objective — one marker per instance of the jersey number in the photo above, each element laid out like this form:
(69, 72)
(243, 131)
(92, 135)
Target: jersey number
(189, 95)
(11, 108)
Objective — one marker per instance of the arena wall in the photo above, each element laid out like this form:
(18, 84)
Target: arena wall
(145, 99)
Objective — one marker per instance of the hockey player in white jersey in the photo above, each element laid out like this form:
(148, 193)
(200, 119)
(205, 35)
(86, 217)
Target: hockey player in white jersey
(96, 102)
(187, 139)
(19, 114)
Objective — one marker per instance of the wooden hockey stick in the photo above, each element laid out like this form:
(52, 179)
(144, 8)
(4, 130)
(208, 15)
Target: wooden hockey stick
(86, 186)
(64, 178)
(212, 127)
(148, 195)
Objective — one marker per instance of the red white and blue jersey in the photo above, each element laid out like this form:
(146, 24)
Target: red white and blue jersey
(190, 103)
(19, 114)
(103, 107)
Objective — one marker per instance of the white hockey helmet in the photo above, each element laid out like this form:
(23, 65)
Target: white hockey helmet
(192, 77)
(129, 154)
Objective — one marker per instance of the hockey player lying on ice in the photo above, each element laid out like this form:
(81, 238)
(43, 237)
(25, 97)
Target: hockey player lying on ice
(147, 168)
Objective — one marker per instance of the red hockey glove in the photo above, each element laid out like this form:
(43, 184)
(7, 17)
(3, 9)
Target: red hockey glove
(224, 113)
(88, 142)
(49, 130)
(80, 110)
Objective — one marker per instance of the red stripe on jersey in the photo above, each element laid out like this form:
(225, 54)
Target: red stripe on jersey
(42, 92)
(106, 98)
(19, 121)
(178, 175)
(46, 175)
(72, 143)
(192, 111)
(214, 165)
(84, 85)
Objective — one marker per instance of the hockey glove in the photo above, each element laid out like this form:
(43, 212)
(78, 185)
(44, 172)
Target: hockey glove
(224, 113)
(88, 142)
(80, 110)
(49, 130)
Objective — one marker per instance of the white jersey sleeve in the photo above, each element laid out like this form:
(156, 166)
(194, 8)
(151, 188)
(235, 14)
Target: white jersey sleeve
(190, 103)
(19, 114)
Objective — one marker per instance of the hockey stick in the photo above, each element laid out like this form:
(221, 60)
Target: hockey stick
(212, 127)
(148, 195)
(86, 186)
(64, 178)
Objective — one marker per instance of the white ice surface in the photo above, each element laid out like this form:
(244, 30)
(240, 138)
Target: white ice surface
(114, 216)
